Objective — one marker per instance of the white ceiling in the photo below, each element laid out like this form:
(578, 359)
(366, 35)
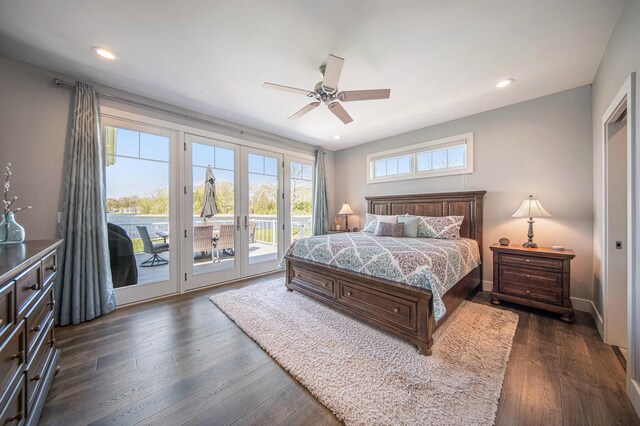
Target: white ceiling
(441, 59)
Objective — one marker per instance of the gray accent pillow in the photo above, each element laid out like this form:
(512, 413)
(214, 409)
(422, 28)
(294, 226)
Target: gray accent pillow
(410, 226)
(384, 229)
(371, 221)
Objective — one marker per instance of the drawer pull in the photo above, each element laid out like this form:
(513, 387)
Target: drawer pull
(528, 276)
(52, 303)
(1, 321)
(35, 378)
(19, 356)
(17, 417)
(36, 328)
(348, 293)
(396, 310)
(31, 287)
(324, 284)
(528, 291)
(527, 260)
(52, 268)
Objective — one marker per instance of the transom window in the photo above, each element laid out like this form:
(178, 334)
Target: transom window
(447, 156)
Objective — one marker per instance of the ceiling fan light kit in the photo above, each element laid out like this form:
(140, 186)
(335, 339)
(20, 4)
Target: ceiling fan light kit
(326, 92)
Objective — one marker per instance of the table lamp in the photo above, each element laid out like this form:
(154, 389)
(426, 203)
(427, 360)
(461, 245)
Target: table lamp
(531, 208)
(346, 211)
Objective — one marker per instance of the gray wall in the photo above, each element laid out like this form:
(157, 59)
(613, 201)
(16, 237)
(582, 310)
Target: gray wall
(540, 147)
(620, 59)
(34, 126)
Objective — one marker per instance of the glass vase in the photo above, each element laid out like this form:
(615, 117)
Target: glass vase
(10, 231)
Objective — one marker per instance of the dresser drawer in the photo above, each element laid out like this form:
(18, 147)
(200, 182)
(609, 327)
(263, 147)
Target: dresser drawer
(7, 307)
(37, 318)
(531, 292)
(550, 279)
(39, 360)
(526, 260)
(28, 286)
(14, 411)
(385, 307)
(49, 267)
(12, 357)
(317, 283)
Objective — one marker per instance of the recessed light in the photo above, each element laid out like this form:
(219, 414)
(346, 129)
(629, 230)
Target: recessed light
(336, 137)
(103, 53)
(506, 82)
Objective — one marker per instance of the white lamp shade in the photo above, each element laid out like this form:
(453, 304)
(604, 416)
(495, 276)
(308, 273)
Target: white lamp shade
(346, 209)
(531, 208)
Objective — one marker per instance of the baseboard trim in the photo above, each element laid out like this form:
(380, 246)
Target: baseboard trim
(586, 305)
(633, 391)
(487, 285)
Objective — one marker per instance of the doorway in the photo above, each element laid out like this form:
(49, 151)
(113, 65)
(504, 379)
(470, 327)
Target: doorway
(616, 194)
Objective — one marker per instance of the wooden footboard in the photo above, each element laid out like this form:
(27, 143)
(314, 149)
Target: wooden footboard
(403, 310)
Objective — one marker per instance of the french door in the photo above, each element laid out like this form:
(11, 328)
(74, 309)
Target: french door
(187, 209)
(236, 230)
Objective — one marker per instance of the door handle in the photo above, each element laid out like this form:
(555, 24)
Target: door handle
(246, 223)
(237, 223)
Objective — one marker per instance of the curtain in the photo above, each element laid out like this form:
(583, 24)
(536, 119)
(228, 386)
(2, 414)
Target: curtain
(84, 289)
(320, 201)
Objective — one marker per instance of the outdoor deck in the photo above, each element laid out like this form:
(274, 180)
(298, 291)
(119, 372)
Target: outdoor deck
(202, 263)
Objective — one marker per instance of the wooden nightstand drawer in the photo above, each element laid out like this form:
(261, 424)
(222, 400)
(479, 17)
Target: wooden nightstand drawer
(527, 260)
(550, 279)
(531, 292)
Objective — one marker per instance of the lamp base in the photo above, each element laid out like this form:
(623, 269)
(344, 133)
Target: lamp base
(529, 244)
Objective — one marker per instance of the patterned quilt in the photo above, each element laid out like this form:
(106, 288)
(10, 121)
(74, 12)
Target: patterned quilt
(433, 264)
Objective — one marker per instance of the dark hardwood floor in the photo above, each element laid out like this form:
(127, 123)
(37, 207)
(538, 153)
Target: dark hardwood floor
(182, 361)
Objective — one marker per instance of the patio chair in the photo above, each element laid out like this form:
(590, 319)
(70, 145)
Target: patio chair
(225, 238)
(203, 237)
(152, 248)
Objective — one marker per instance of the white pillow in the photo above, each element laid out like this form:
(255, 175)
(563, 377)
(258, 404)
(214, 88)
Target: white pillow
(371, 221)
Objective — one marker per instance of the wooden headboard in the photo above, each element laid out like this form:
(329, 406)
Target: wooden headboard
(467, 204)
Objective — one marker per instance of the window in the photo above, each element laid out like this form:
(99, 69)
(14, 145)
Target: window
(301, 184)
(442, 157)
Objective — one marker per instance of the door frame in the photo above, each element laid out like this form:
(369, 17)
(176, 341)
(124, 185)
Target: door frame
(206, 279)
(145, 291)
(249, 269)
(625, 98)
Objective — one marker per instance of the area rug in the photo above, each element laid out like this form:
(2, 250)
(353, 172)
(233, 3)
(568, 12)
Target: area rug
(369, 377)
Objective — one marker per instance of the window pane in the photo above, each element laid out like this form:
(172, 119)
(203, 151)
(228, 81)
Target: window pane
(424, 162)
(455, 156)
(154, 147)
(203, 155)
(307, 172)
(381, 168)
(300, 201)
(392, 166)
(439, 159)
(270, 166)
(256, 163)
(127, 142)
(224, 158)
(404, 164)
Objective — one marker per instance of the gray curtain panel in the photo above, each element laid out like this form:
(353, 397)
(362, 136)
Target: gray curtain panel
(84, 289)
(320, 201)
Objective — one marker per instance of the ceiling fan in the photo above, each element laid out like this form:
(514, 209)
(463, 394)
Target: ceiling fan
(326, 92)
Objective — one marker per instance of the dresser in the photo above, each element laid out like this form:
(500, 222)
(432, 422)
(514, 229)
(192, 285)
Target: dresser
(28, 355)
(536, 277)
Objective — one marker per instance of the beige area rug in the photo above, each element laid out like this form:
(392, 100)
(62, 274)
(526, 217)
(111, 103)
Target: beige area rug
(369, 377)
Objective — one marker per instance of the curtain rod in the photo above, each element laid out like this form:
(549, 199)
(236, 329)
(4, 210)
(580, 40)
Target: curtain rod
(60, 83)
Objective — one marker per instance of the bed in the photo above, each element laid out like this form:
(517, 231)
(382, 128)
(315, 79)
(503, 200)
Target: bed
(408, 311)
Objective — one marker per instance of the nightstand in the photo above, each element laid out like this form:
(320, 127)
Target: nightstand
(536, 277)
(333, 231)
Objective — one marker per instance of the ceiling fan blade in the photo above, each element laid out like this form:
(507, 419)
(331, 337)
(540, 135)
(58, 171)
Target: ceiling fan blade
(286, 88)
(303, 111)
(332, 73)
(340, 112)
(364, 95)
